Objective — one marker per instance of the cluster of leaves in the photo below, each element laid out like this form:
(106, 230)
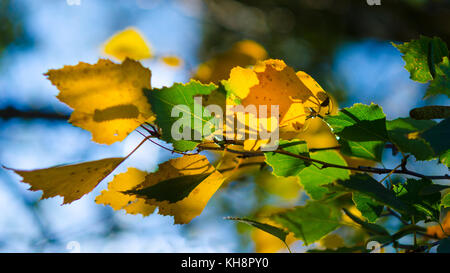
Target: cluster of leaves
(330, 153)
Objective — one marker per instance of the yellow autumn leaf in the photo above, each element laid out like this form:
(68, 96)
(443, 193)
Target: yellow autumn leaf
(128, 43)
(243, 53)
(267, 243)
(69, 181)
(437, 231)
(353, 210)
(107, 98)
(317, 134)
(173, 61)
(287, 188)
(192, 205)
(272, 82)
(319, 95)
(115, 197)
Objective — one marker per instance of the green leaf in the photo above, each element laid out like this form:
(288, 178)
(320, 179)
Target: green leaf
(360, 123)
(422, 195)
(445, 202)
(372, 150)
(275, 231)
(178, 97)
(369, 208)
(444, 246)
(445, 158)
(313, 177)
(421, 57)
(171, 190)
(438, 136)
(432, 189)
(400, 131)
(372, 228)
(284, 165)
(365, 184)
(310, 222)
(441, 84)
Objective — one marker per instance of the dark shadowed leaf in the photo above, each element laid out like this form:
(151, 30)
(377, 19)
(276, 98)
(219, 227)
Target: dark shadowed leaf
(365, 184)
(369, 208)
(275, 231)
(371, 228)
(310, 222)
(404, 133)
(444, 246)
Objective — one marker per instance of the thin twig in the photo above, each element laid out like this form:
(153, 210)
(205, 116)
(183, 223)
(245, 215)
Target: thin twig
(331, 165)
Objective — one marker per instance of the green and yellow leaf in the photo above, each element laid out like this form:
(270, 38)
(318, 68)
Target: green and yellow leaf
(181, 187)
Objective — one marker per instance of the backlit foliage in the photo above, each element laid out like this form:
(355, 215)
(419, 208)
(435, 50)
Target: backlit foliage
(326, 154)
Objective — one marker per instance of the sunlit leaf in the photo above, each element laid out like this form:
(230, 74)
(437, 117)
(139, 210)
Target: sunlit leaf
(69, 181)
(128, 43)
(183, 199)
(445, 202)
(360, 123)
(421, 57)
(272, 82)
(441, 230)
(181, 97)
(314, 176)
(107, 98)
(114, 196)
(318, 134)
(285, 165)
(372, 150)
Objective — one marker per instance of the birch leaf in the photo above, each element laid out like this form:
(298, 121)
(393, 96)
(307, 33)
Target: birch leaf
(115, 197)
(272, 82)
(128, 43)
(107, 98)
(181, 187)
(69, 181)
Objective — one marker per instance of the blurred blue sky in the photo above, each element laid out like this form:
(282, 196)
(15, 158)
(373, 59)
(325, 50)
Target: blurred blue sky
(62, 34)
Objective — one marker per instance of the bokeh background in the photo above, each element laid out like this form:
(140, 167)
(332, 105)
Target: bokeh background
(343, 44)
